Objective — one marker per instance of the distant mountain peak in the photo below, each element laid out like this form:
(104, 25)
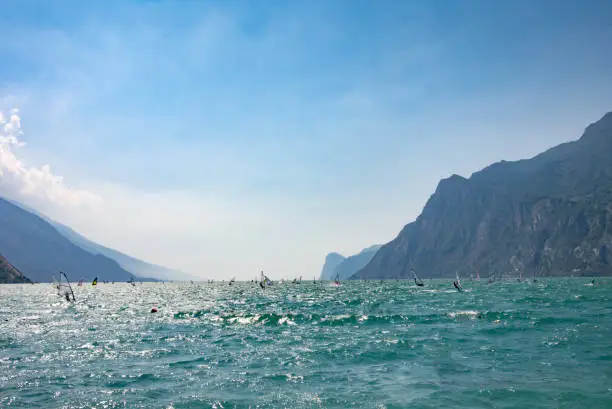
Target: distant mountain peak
(39, 251)
(337, 264)
(374, 247)
(133, 265)
(599, 129)
(333, 256)
(452, 181)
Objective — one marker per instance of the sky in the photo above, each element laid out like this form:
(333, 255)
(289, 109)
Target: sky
(226, 137)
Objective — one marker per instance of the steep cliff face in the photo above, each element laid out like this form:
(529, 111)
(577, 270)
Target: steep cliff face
(345, 267)
(332, 260)
(9, 274)
(354, 263)
(551, 214)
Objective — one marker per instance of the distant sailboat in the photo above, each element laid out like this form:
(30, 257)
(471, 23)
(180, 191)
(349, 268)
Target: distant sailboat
(337, 279)
(95, 281)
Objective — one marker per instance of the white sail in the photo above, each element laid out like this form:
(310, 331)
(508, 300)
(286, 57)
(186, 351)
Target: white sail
(64, 289)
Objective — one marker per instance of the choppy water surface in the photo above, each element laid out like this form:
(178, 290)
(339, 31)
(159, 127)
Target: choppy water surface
(360, 345)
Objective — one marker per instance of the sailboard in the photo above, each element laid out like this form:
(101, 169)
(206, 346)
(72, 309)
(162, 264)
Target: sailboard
(64, 289)
(95, 281)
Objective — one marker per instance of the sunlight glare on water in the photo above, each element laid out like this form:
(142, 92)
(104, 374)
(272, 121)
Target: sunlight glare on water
(360, 345)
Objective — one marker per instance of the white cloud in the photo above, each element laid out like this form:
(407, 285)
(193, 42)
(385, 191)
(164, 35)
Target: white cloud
(16, 178)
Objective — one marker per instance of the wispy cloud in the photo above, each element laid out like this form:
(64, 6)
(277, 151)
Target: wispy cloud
(37, 183)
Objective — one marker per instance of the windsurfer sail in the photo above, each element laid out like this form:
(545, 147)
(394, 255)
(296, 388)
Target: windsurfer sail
(417, 280)
(64, 289)
(264, 281)
(337, 279)
(95, 281)
(457, 283)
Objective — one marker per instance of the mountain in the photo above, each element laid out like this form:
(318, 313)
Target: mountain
(38, 250)
(9, 274)
(346, 267)
(131, 264)
(332, 260)
(135, 266)
(550, 215)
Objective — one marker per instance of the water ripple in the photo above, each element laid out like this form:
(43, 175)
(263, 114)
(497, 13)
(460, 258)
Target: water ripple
(360, 345)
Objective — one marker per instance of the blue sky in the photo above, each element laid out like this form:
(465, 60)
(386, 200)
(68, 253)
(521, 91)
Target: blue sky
(226, 137)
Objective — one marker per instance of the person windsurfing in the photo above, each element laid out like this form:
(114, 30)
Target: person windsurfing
(457, 283)
(64, 285)
(417, 280)
(337, 279)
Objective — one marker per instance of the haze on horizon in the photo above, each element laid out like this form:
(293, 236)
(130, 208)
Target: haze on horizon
(222, 138)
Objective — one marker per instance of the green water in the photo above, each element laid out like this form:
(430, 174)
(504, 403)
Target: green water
(360, 345)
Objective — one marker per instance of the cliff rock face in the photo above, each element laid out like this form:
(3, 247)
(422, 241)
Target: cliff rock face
(550, 215)
(346, 267)
(9, 274)
(332, 260)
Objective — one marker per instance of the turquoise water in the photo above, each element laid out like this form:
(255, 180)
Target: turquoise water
(360, 345)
